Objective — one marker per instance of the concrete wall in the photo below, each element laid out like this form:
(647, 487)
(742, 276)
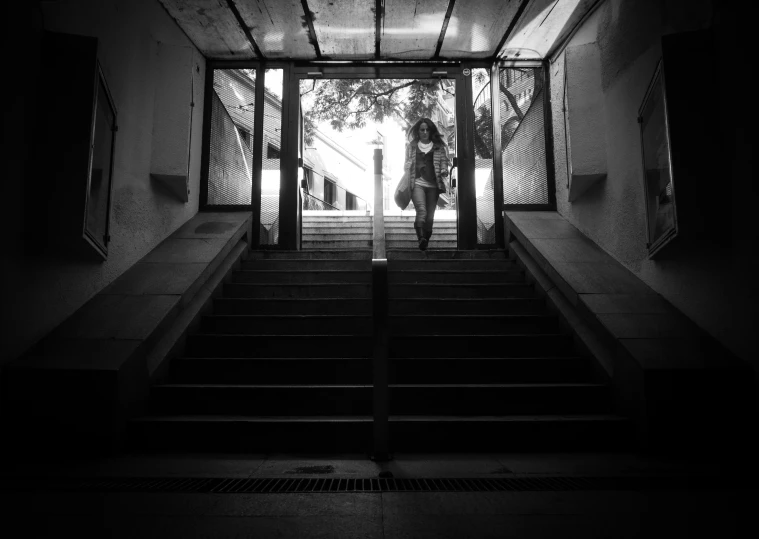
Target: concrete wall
(712, 282)
(40, 290)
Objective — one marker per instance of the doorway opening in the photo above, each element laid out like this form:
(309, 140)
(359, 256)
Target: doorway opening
(343, 122)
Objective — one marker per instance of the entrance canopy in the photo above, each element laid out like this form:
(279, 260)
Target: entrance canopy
(392, 30)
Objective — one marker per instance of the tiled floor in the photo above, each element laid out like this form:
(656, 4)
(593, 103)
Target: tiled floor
(581, 514)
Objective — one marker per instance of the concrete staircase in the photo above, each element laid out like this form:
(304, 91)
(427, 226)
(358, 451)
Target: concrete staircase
(400, 233)
(477, 363)
(284, 362)
(329, 232)
(348, 232)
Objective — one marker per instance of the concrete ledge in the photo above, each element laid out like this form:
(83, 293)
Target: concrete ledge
(677, 383)
(92, 372)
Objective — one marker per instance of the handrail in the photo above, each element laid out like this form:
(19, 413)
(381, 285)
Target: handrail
(332, 206)
(380, 446)
(322, 201)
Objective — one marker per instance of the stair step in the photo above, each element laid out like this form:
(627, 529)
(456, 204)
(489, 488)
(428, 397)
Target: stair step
(329, 217)
(215, 370)
(461, 290)
(251, 434)
(329, 254)
(277, 346)
(411, 244)
(245, 434)
(288, 324)
(545, 433)
(344, 264)
(455, 276)
(400, 306)
(329, 236)
(438, 225)
(335, 229)
(338, 244)
(440, 399)
(302, 276)
(330, 370)
(392, 236)
(262, 400)
(298, 306)
(468, 370)
(498, 399)
(442, 254)
(474, 324)
(451, 346)
(437, 264)
(310, 290)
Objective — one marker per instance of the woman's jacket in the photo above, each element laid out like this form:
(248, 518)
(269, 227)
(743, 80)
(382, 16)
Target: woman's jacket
(440, 160)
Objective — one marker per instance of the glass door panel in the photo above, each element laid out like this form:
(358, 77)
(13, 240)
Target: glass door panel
(271, 150)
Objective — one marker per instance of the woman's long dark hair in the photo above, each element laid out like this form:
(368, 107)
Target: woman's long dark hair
(413, 132)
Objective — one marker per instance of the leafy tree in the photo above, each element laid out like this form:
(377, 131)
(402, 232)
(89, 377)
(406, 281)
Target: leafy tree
(350, 103)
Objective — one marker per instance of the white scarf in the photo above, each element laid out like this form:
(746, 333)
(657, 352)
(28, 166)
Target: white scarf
(425, 147)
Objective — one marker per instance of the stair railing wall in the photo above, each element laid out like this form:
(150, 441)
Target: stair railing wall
(380, 443)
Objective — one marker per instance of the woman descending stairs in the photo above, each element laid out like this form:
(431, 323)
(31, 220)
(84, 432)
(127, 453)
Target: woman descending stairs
(283, 363)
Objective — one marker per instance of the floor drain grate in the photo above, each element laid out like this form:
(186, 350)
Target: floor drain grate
(273, 485)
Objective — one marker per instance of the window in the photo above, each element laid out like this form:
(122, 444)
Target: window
(657, 167)
(101, 167)
(244, 136)
(350, 201)
(330, 192)
(272, 152)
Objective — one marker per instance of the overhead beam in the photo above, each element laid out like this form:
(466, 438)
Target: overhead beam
(245, 29)
(379, 15)
(309, 18)
(444, 29)
(510, 29)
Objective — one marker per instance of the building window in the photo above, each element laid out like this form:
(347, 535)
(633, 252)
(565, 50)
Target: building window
(101, 152)
(330, 192)
(272, 152)
(657, 166)
(350, 201)
(244, 136)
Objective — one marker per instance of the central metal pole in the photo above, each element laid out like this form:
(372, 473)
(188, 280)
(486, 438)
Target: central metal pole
(380, 446)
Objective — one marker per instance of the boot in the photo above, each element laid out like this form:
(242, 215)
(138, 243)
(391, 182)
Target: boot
(426, 235)
(420, 236)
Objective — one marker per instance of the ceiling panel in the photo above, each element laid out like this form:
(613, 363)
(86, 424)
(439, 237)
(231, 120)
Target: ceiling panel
(344, 28)
(279, 27)
(212, 27)
(411, 28)
(544, 24)
(476, 27)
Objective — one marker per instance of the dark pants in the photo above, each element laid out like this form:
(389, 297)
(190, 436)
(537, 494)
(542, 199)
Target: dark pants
(425, 203)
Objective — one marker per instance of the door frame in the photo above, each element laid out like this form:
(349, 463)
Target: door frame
(289, 194)
(466, 203)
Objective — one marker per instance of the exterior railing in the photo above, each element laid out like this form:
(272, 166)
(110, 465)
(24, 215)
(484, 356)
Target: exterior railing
(311, 202)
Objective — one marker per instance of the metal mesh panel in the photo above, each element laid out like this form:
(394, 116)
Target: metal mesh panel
(231, 155)
(272, 146)
(483, 156)
(525, 178)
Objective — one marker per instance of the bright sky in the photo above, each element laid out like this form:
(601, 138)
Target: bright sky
(358, 142)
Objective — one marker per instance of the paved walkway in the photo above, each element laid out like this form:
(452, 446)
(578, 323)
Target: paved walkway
(582, 514)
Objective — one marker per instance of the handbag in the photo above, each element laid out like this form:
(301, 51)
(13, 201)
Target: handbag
(402, 195)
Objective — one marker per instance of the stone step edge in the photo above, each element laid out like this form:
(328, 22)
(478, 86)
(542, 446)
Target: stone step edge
(537, 418)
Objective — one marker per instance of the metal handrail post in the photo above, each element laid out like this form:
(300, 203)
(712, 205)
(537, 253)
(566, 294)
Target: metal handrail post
(380, 437)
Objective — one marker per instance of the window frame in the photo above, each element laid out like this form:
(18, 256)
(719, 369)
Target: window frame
(656, 246)
(100, 245)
